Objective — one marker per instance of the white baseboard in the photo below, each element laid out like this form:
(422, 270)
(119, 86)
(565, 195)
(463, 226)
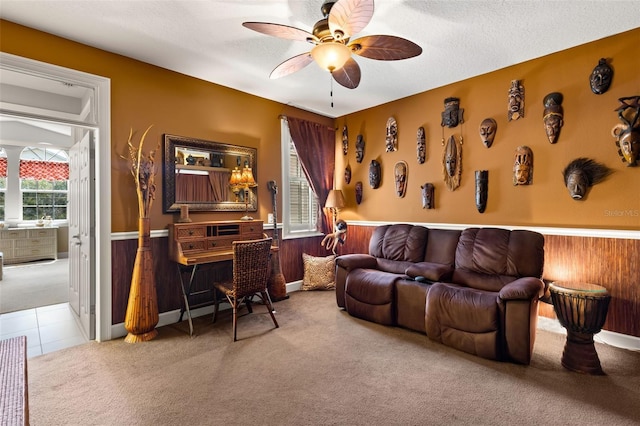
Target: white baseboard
(172, 317)
(610, 338)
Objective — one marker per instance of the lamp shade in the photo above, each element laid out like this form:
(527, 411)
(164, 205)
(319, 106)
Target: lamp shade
(247, 177)
(331, 56)
(335, 199)
(236, 177)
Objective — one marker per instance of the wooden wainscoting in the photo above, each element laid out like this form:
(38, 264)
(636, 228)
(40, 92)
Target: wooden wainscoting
(168, 280)
(609, 262)
(166, 275)
(291, 255)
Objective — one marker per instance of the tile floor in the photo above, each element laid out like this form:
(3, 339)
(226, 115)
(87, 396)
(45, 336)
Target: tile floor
(48, 328)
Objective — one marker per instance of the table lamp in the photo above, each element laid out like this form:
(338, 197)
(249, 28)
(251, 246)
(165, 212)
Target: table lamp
(247, 181)
(335, 201)
(235, 182)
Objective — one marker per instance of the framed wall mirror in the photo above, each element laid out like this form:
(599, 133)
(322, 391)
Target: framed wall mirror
(198, 173)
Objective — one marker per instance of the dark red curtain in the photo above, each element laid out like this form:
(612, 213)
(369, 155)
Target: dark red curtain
(315, 144)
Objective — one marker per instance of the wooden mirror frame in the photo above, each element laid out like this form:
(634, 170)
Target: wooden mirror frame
(169, 174)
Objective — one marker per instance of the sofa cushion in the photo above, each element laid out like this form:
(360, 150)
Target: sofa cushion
(489, 258)
(431, 271)
(371, 286)
(401, 242)
(411, 299)
(369, 294)
(463, 318)
(393, 266)
(441, 246)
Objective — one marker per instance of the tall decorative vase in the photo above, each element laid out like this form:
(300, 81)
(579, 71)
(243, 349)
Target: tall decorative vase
(142, 308)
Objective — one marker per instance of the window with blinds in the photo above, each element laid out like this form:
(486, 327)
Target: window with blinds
(303, 204)
(300, 205)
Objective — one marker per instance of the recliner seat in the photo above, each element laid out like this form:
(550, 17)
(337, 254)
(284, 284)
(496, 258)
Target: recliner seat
(476, 290)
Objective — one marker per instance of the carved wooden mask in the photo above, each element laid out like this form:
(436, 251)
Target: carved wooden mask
(482, 189)
(421, 146)
(347, 174)
(582, 173)
(345, 140)
(523, 166)
(359, 192)
(452, 163)
(428, 201)
(400, 175)
(452, 114)
(627, 134)
(553, 116)
(488, 129)
(391, 139)
(600, 78)
(359, 148)
(516, 101)
(374, 174)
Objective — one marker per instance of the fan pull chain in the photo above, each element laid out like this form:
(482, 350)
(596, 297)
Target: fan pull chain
(331, 91)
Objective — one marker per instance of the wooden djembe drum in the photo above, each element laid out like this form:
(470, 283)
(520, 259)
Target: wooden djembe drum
(582, 310)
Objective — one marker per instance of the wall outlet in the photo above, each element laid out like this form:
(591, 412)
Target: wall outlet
(270, 218)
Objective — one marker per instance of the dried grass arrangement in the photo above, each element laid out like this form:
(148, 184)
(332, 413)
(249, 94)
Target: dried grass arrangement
(142, 307)
(143, 169)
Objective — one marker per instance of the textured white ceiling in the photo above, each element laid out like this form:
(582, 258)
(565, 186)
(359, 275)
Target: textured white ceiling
(205, 39)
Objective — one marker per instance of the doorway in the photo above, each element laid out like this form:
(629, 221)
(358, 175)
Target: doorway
(42, 81)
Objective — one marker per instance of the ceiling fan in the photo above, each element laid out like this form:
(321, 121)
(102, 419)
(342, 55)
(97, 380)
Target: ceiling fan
(332, 46)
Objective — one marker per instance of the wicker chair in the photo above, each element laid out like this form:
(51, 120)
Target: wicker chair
(250, 274)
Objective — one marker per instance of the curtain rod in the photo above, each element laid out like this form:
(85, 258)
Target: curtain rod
(284, 117)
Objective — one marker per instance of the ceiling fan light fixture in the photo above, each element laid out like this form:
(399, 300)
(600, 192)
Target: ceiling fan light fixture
(331, 55)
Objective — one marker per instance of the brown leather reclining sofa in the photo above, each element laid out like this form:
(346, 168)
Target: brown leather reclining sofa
(476, 290)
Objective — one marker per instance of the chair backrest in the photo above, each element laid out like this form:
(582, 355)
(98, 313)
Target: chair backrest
(251, 266)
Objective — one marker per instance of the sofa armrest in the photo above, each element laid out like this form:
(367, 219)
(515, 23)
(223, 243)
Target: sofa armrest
(431, 271)
(346, 263)
(355, 261)
(525, 288)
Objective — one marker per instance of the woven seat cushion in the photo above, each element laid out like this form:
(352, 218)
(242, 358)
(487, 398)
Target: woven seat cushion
(319, 272)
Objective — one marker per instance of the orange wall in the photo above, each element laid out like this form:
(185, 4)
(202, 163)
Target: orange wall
(143, 94)
(613, 204)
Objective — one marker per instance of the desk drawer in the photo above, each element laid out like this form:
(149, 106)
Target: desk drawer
(220, 243)
(247, 229)
(186, 232)
(188, 246)
(13, 234)
(36, 242)
(42, 233)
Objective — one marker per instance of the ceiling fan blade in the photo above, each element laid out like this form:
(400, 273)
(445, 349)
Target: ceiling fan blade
(385, 48)
(349, 75)
(281, 31)
(291, 65)
(348, 17)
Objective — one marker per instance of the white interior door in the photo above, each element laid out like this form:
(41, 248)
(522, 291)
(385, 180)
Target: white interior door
(81, 232)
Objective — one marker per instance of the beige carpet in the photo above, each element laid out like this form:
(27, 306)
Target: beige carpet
(321, 367)
(34, 284)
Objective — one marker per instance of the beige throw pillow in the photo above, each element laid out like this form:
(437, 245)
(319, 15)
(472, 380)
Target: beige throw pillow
(319, 272)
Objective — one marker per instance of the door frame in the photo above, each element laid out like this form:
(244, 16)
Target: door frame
(102, 204)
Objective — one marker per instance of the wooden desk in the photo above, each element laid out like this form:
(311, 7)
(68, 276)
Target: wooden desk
(200, 243)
